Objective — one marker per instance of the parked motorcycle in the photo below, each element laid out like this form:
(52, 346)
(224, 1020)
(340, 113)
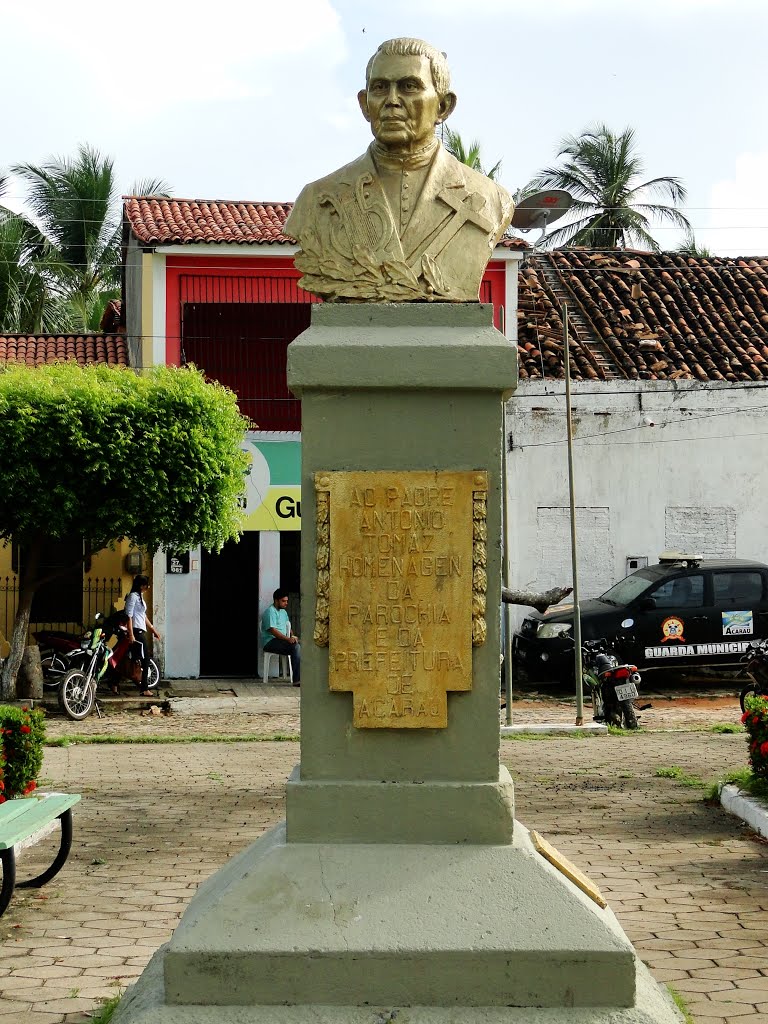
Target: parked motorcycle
(613, 685)
(756, 666)
(75, 666)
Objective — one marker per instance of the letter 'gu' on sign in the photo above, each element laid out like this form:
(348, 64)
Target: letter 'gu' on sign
(401, 584)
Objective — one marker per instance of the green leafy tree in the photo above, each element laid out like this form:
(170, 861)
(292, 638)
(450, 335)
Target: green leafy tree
(75, 204)
(469, 155)
(104, 453)
(611, 205)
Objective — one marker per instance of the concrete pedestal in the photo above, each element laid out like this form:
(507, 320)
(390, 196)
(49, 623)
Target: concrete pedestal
(400, 886)
(352, 932)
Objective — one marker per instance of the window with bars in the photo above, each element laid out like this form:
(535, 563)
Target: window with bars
(244, 345)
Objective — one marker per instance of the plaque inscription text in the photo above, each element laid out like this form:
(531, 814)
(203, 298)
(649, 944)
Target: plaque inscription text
(400, 609)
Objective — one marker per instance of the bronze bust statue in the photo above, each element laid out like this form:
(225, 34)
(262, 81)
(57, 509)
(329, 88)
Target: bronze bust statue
(405, 222)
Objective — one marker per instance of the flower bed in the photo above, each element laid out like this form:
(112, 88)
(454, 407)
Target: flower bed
(755, 720)
(21, 750)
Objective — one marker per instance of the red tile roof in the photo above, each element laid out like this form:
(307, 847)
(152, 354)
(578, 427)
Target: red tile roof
(36, 349)
(647, 316)
(155, 221)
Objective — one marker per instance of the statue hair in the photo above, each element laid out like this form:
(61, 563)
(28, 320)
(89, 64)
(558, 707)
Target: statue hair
(407, 47)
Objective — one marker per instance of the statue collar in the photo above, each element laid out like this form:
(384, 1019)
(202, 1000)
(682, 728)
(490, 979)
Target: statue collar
(384, 160)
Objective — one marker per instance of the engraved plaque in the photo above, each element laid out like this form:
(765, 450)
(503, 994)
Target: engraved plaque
(399, 561)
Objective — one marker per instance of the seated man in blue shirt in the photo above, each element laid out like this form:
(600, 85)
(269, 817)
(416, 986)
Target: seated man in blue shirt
(277, 637)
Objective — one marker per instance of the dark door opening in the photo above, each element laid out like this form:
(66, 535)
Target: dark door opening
(229, 588)
(290, 574)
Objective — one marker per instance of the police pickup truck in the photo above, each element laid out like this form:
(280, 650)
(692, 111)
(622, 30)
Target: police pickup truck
(685, 611)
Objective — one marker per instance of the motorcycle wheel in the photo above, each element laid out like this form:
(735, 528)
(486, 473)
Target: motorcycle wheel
(153, 675)
(613, 717)
(76, 695)
(749, 691)
(53, 667)
(628, 714)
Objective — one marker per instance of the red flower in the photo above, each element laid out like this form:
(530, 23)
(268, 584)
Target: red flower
(744, 717)
(2, 799)
(25, 708)
(25, 728)
(764, 749)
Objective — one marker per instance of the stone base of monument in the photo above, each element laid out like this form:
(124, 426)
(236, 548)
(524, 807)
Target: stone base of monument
(352, 933)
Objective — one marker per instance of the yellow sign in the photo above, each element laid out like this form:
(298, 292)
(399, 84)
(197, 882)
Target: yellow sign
(273, 484)
(401, 578)
(280, 509)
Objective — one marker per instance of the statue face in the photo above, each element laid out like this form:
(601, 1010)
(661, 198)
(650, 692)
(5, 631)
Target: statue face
(401, 102)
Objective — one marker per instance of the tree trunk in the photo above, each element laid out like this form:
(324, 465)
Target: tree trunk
(18, 638)
(530, 599)
(30, 680)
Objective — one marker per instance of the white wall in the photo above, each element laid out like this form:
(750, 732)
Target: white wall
(694, 480)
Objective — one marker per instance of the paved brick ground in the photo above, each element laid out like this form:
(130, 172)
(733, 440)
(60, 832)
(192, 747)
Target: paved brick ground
(688, 883)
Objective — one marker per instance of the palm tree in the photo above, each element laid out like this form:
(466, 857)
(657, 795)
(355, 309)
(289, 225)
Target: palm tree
(690, 247)
(601, 172)
(74, 201)
(454, 143)
(27, 305)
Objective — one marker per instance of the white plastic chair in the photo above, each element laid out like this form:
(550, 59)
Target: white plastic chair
(284, 666)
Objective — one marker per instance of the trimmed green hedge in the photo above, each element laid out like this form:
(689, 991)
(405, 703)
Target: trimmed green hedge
(755, 720)
(21, 751)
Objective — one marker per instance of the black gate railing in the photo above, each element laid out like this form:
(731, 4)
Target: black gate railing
(100, 594)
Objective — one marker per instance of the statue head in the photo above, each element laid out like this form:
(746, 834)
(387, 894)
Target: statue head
(407, 92)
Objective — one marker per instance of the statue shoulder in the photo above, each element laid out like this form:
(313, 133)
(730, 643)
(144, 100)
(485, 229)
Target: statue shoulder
(477, 182)
(497, 197)
(306, 200)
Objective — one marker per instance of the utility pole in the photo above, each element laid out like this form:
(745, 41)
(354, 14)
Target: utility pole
(572, 502)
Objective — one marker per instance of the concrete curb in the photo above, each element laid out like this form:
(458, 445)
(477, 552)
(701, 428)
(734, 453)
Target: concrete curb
(556, 729)
(752, 811)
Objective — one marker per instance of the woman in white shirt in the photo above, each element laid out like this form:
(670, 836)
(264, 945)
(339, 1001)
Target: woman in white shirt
(136, 610)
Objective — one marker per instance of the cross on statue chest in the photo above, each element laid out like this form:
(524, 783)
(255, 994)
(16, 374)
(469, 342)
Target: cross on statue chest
(467, 208)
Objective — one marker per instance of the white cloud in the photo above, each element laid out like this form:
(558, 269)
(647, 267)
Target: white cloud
(738, 215)
(175, 51)
(524, 9)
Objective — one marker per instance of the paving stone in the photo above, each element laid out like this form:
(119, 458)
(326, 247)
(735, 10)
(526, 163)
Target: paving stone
(703, 985)
(65, 1005)
(729, 973)
(11, 1009)
(682, 878)
(744, 995)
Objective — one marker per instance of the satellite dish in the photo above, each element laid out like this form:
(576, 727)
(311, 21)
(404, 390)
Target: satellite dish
(541, 209)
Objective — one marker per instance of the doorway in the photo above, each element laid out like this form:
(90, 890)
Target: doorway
(229, 614)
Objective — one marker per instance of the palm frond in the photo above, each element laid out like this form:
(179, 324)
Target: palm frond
(151, 187)
(601, 171)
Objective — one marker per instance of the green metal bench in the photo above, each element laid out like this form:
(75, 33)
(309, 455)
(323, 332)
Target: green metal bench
(22, 818)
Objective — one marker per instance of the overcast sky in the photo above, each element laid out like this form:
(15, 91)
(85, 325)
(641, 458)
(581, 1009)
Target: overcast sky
(250, 99)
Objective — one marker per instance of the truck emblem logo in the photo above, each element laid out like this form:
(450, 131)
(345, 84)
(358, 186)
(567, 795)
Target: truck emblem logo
(672, 629)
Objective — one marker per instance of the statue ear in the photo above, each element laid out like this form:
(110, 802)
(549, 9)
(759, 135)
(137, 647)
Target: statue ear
(362, 99)
(446, 107)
